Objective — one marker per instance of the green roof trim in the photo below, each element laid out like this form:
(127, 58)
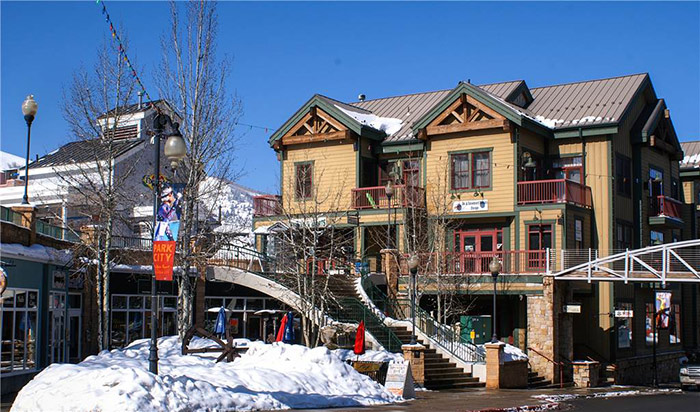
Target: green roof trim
(329, 106)
(586, 131)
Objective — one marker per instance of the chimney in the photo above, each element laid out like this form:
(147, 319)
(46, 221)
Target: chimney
(361, 97)
(140, 93)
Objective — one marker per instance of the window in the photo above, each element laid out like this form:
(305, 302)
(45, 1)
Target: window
(131, 318)
(623, 236)
(569, 168)
(623, 175)
(578, 232)
(19, 329)
(388, 170)
(539, 239)
(304, 180)
(649, 324)
(480, 164)
(411, 172)
(656, 238)
(674, 324)
(624, 326)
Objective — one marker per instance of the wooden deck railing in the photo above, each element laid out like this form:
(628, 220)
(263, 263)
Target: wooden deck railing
(554, 191)
(375, 197)
(513, 262)
(666, 206)
(267, 205)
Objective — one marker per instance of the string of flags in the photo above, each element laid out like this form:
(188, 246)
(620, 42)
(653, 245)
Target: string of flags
(123, 55)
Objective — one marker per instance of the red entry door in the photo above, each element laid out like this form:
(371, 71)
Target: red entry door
(475, 249)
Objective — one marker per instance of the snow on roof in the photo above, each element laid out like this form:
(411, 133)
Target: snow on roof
(388, 125)
(9, 161)
(37, 253)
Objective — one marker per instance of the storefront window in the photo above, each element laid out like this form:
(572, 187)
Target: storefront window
(19, 320)
(674, 326)
(624, 326)
(131, 318)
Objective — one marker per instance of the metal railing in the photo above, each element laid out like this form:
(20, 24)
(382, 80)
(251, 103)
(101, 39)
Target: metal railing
(9, 215)
(477, 263)
(244, 258)
(267, 205)
(389, 307)
(131, 242)
(554, 191)
(354, 311)
(375, 197)
(56, 232)
(665, 206)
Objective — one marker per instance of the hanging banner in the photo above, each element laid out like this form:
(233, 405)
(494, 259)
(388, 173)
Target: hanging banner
(165, 236)
(163, 258)
(663, 306)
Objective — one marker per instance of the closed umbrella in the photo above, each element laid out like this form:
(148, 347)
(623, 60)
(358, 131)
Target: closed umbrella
(280, 332)
(359, 347)
(289, 329)
(220, 325)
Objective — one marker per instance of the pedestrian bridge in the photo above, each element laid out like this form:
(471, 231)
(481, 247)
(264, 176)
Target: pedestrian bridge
(668, 262)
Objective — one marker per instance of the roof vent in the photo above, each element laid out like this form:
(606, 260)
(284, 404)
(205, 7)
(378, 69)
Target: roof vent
(361, 97)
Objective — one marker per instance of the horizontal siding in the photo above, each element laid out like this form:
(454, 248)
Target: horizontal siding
(600, 181)
(334, 174)
(500, 195)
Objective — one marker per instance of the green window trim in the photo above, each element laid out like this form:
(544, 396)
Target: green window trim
(470, 170)
(310, 193)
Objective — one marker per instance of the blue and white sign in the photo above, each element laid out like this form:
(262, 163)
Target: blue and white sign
(470, 205)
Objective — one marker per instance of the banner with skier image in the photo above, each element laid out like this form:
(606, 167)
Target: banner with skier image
(166, 231)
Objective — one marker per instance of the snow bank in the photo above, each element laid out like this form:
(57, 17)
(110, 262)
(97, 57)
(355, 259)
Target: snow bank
(276, 376)
(388, 125)
(368, 356)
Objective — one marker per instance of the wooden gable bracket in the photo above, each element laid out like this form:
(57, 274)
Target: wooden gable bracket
(465, 114)
(315, 126)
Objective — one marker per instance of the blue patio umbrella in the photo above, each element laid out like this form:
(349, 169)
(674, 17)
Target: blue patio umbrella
(220, 326)
(289, 329)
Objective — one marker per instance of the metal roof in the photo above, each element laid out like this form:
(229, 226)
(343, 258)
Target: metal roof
(691, 155)
(82, 152)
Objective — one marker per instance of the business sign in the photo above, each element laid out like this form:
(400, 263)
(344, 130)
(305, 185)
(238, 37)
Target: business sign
(470, 205)
(572, 308)
(399, 380)
(626, 313)
(163, 258)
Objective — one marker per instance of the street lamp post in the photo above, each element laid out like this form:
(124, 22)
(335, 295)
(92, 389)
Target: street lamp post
(389, 193)
(29, 109)
(495, 267)
(175, 150)
(413, 267)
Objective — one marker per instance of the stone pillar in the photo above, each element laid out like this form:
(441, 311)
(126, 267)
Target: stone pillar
(415, 355)
(28, 213)
(493, 364)
(586, 374)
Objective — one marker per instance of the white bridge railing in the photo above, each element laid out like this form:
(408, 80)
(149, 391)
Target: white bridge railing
(669, 262)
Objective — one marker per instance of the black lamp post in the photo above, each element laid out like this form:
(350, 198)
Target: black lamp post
(175, 150)
(389, 193)
(495, 267)
(29, 108)
(413, 267)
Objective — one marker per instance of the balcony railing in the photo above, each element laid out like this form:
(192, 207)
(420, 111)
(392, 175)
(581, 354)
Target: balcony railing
(136, 243)
(554, 191)
(666, 206)
(56, 232)
(477, 263)
(267, 205)
(376, 198)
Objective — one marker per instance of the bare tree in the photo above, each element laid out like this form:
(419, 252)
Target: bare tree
(96, 179)
(194, 81)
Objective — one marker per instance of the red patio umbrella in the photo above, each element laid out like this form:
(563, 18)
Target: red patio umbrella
(359, 348)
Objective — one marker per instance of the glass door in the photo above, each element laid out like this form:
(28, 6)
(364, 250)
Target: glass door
(476, 248)
(57, 327)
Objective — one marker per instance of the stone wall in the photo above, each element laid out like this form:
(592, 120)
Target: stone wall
(639, 370)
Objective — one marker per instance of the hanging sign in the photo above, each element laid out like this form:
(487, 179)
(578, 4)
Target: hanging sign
(399, 380)
(572, 308)
(470, 205)
(163, 258)
(624, 313)
(663, 306)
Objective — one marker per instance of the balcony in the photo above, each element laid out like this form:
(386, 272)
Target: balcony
(267, 205)
(539, 192)
(665, 211)
(375, 197)
(477, 263)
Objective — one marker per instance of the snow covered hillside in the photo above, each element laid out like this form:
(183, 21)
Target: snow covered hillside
(268, 376)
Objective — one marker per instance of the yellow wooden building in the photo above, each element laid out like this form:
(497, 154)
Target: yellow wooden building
(536, 177)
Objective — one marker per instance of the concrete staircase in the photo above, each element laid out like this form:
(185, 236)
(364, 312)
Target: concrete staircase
(440, 373)
(534, 380)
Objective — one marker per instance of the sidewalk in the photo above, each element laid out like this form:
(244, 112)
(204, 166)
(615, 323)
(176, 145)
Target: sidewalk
(499, 400)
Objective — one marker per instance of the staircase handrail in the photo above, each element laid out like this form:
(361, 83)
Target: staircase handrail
(442, 336)
(353, 310)
(560, 365)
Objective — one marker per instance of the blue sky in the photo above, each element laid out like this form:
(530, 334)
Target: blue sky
(285, 52)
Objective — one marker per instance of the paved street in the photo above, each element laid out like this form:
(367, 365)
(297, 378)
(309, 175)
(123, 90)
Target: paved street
(677, 402)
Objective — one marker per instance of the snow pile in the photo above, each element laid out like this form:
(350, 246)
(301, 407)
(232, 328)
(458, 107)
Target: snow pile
(692, 160)
(551, 123)
(276, 376)
(8, 161)
(368, 356)
(510, 353)
(37, 252)
(388, 125)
